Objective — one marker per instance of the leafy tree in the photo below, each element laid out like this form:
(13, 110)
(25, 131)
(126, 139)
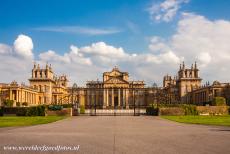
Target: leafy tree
(8, 103)
(219, 101)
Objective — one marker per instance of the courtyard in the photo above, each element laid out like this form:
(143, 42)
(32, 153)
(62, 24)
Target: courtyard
(120, 134)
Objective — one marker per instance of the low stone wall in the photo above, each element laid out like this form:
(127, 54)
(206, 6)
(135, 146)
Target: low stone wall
(171, 111)
(63, 112)
(212, 110)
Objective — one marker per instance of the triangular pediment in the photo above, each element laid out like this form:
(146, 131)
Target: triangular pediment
(116, 81)
(115, 73)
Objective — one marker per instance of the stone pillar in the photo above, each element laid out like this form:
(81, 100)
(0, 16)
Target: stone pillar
(17, 97)
(123, 97)
(10, 94)
(127, 98)
(119, 97)
(107, 97)
(112, 97)
(88, 98)
(104, 98)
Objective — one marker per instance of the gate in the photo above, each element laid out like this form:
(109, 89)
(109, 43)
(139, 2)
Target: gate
(126, 101)
(136, 106)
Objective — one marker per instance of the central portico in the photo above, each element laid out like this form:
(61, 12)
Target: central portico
(115, 91)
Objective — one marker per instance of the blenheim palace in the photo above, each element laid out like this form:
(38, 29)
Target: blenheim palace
(115, 91)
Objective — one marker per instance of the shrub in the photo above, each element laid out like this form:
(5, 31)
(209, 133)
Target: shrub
(32, 111)
(82, 109)
(152, 111)
(41, 110)
(218, 101)
(21, 111)
(1, 111)
(8, 103)
(55, 107)
(190, 109)
(25, 104)
(18, 104)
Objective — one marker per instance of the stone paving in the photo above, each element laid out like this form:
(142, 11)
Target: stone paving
(120, 135)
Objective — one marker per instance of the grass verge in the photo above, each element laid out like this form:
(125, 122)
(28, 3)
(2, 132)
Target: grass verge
(206, 120)
(11, 121)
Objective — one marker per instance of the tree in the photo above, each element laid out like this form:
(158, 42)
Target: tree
(8, 103)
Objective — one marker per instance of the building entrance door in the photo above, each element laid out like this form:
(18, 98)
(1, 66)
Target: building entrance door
(115, 101)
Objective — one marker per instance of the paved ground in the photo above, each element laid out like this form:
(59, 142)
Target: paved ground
(121, 134)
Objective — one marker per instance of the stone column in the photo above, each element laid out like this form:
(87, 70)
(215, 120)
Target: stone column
(104, 98)
(123, 97)
(10, 94)
(107, 97)
(112, 97)
(119, 97)
(127, 98)
(17, 98)
(88, 98)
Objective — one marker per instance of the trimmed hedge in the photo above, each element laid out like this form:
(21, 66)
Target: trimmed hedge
(55, 107)
(21, 111)
(218, 101)
(152, 111)
(1, 111)
(24, 111)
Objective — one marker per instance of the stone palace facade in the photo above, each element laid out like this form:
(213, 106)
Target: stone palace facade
(114, 91)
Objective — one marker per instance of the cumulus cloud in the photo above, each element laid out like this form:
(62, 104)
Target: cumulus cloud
(23, 46)
(5, 49)
(200, 39)
(196, 39)
(166, 10)
(16, 60)
(73, 57)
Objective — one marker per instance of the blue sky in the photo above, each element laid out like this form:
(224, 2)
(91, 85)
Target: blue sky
(24, 16)
(57, 24)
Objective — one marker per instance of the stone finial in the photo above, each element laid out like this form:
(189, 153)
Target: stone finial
(47, 65)
(34, 65)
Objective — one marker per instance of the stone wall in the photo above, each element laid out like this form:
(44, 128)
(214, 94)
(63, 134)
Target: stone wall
(171, 111)
(63, 112)
(212, 110)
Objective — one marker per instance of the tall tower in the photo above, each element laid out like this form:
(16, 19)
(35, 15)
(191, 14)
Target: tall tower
(42, 79)
(188, 80)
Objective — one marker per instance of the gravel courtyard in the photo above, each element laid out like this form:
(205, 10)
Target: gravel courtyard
(120, 134)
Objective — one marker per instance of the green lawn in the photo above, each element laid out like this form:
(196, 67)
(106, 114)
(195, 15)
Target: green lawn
(206, 120)
(9, 121)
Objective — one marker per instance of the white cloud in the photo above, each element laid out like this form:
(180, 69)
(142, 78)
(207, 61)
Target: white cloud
(101, 48)
(202, 40)
(166, 10)
(23, 46)
(80, 30)
(16, 61)
(5, 49)
(196, 39)
(82, 63)
(205, 58)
